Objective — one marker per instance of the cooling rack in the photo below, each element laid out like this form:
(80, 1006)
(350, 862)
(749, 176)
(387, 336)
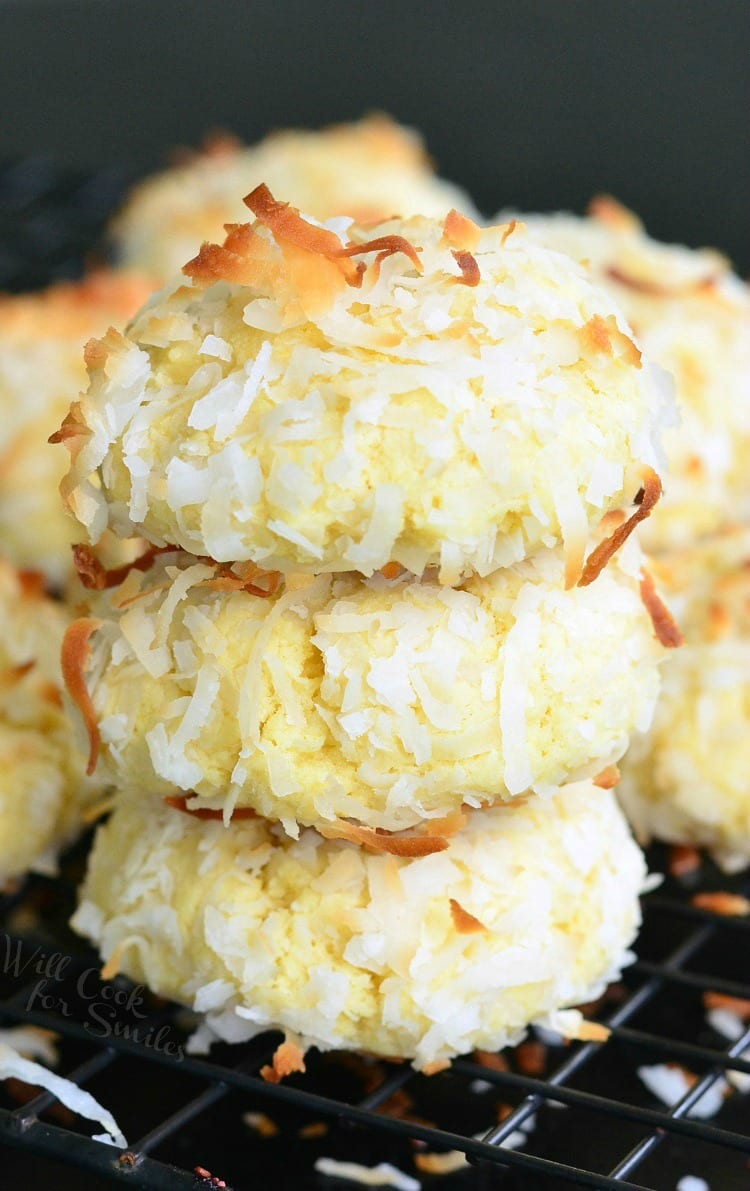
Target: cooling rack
(545, 1116)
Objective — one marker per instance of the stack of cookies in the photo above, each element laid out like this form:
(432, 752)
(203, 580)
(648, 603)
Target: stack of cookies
(363, 696)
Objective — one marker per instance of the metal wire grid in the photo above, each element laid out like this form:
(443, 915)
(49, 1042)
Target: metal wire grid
(48, 220)
(236, 1070)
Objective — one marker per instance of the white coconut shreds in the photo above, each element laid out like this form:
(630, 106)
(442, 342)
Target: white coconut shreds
(669, 1083)
(13, 1066)
(382, 1175)
(43, 789)
(366, 437)
(341, 947)
(41, 371)
(685, 781)
(692, 317)
(691, 1182)
(382, 701)
(368, 170)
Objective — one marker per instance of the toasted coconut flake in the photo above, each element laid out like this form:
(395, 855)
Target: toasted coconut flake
(385, 246)
(608, 778)
(72, 434)
(113, 965)
(607, 210)
(737, 1005)
(94, 354)
(733, 905)
(720, 623)
(179, 803)
(229, 580)
(683, 859)
(434, 1163)
(391, 570)
(460, 231)
(383, 841)
(313, 1130)
(95, 576)
(509, 228)
(448, 826)
(435, 1067)
(667, 632)
(288, 1058)
(590, 1031)
(467, 263)
(491, 1061)
(464, 922)
(239, 259)
(32, 584)
(604, 335)
(76, 650)
(285, 223)
(645, 501)
(260, 1123)
(596, 336)
(11, 676)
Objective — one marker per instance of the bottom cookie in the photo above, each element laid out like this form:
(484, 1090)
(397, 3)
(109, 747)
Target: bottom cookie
(525, 910)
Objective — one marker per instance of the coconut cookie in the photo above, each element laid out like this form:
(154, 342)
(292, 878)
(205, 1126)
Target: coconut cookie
(43, 787)
(41, 370)
(687, 780)
(526, 910)
(331, 399)
(381, 701)
(367, 170)
(692, 316)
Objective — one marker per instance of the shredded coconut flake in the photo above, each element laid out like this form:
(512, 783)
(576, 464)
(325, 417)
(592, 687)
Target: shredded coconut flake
(79, 1101)
(382, 1175)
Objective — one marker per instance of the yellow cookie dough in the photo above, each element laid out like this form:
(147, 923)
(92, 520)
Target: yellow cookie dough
(41, 371)
(368, 170)
(314, 407)
(530, 908)
(43, 790)
(692, 316)
(687, 780)
(380, 701)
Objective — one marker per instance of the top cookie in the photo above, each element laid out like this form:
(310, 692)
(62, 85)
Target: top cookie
(369, 170)
(329, 398)
(692, 316)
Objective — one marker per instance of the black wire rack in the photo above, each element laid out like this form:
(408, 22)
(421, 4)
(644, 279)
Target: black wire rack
(543, 1115)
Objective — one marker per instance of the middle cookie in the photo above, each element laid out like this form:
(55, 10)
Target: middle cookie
(380, 701)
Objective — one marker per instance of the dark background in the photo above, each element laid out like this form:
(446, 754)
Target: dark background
(534, 104)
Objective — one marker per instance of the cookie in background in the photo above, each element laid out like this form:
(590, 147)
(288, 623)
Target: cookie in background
(369, 170)
(44, 790)
(42, 337)
(686, 780)
(691, 315)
